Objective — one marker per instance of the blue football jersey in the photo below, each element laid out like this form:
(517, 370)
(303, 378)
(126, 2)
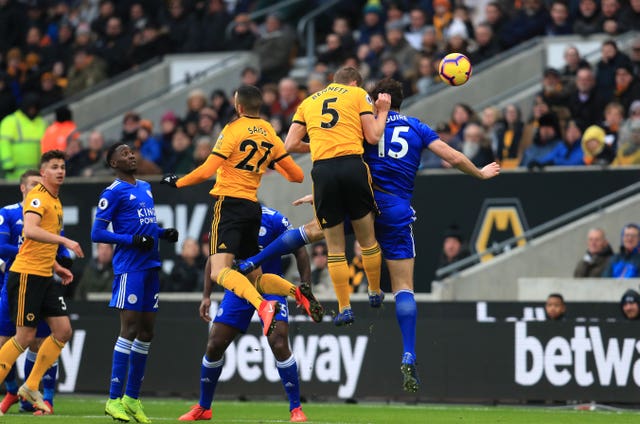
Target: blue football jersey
(273, 224)
(130, 210)
(394, 161)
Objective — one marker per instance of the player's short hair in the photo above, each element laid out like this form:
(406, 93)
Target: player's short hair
(346, 75)
(27, 174)
(250, 98)
(112, 150)
(50, 155)
(391, 87)
(557, 296)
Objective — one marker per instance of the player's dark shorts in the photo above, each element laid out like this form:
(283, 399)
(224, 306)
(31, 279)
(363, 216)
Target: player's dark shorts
(236, 312)
(341, 187)
(235, 226)
(33, 297)
(7, 326)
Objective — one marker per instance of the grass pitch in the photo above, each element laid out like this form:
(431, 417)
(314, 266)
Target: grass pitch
(90, 410)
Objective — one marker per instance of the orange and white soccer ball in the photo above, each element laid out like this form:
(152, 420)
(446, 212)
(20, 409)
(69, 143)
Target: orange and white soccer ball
(455, 69)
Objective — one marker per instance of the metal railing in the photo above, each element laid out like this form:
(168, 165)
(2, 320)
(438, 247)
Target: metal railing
(260, 13)
(308, 23)
(567, 218)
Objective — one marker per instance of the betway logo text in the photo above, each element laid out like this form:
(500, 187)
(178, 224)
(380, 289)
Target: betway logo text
(331, 358)
(586, 357)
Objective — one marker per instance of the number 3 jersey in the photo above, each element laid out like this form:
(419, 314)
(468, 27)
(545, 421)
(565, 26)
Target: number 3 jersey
(394, 161)
(249, 145)
(130, 210)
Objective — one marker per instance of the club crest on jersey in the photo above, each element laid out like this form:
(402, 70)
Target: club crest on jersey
(369, 100)
(103, 203)
(262, 231)
(35, 203)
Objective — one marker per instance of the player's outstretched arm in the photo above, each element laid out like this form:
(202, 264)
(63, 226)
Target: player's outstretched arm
(288, 168)
(293, 142)
(373, 128)
(461, 162)
(201, 173)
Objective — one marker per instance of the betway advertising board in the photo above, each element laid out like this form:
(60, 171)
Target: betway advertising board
(473, 351)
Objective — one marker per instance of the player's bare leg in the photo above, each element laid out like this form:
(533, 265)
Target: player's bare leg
(371, 256)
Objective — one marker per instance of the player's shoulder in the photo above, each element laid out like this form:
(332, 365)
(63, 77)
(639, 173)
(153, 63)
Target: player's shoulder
(143, 185)
(116, 185)
(10, 208)
(268, 211)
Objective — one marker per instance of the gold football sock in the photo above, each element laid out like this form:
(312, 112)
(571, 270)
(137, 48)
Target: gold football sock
(274, 284)
(47, 355)
(239, 285)
(372, 261)
(8, 355)
(339, 272)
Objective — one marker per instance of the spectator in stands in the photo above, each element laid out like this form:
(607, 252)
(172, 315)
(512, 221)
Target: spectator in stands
(373, 56)
(220, 104)
(509, 137)
(106, 11)
(424, 77)
(595, 259)
(342, 29)
(461, 115)
(611, 17)
(130, 126)
(544, 141)
(528, 22)
(476, 146)
(613, 119)
(595, 150)
(333, 55)
(196, 100)
(320, 278)
(212, 25)
(572, 63)
(274, 48)
(50, 91)
(138, 18)
(149, 42)
(555, 308)
(250, 76)
(316, 82)
(288, 100)
(59, 132)
(208, 122)
(20, 135)
(181, 159)
(554, 92)
(559, 23)
(186, 273)
(391, 69)
(630, 305)
(442, 17)
(627, 87)
(492, 124)
(83, 39)
(630, 18)
(11, 25)
(371, 22)
(429, 45)
(626, 263)
(628, 152)
(567, 153)
(611, 59)
(585, 103)
(487, 44)
(97, 275)
(530, 129)
(357, 277)
(62, 49)
(634, 55)
(453, 248)
(457, 37)
(114, 47)
(399, 49)
(87, 71)
(150, 147)
(589, 19)
(498, 20)
(202, 149)
(430, 160)
(417, 25)
(7, 99)
(83, 162)
(180, 23)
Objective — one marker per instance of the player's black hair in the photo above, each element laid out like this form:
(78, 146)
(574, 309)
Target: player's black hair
(112, 150)
(51, 154)
(391, 87)
(27, 174)
(557, 296)
(250, 98)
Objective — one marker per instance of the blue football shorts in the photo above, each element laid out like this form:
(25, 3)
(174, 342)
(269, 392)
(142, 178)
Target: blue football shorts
(136, 291)
(393, 226)
(236, 312)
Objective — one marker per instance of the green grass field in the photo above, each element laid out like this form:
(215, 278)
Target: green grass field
(82, 409)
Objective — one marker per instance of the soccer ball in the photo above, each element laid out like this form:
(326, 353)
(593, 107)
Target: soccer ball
(455, 69)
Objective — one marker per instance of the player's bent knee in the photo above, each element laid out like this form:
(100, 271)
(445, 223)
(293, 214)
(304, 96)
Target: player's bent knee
(280, 347)
(63, 334)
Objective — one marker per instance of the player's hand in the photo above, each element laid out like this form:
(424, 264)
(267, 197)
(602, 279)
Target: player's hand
(383, 102)
(204, 309)
(170, 235)
(170, 180)
(301, 201)
(74, 246)
(490, 171)
(65, 275)
(142, 241)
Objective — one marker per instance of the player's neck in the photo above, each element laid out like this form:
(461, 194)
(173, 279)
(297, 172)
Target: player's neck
(52, 188)
(127, 178)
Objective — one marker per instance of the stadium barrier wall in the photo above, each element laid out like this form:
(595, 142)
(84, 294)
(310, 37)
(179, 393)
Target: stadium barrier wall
(467, 351)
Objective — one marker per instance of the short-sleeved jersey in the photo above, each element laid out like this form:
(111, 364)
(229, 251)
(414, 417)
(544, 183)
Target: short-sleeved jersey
(130, 210)
(273, 224)
(395, 160)
(35, 257)
(332, 118)
(248, 145)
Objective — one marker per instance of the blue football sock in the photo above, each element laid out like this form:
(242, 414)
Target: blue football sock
(10, 381)
(288, 371)
(49, 382)
(119, 366)
(29, 362)
(209, 375)
(406, 313)
(137, 365)
(286, 243)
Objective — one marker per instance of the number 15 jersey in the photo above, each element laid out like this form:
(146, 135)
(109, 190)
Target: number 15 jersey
(249, 145)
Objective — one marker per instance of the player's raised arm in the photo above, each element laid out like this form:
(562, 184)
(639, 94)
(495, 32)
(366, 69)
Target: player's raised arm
(461, 162)
(293, 142)
(373, 127)
(198, 175)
